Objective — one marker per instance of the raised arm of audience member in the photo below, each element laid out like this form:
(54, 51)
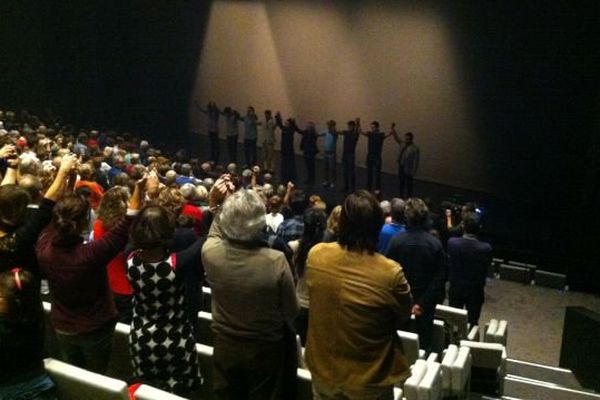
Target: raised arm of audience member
(68, 165)
(10, 177)
(288, 192)
(255, 173)
(222, 188)
(105, 249)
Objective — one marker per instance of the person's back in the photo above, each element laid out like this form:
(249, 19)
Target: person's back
(357, 301)
(469, 262)
(422, 257)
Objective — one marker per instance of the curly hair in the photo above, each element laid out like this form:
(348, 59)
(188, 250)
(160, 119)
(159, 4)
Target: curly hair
(113, 206)
(171, 199)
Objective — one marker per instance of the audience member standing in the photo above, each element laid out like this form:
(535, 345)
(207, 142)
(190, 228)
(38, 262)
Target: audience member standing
(83, 312)
(18, 234)
(395, 226)
(213, 113)
(315, 223)
(162, 340)
(250, 137)
(253, 301)
(358, 299)
(408, 164)
(422, 257)
(22, 373)
(470, 259)
(113, 208)
(351, 136)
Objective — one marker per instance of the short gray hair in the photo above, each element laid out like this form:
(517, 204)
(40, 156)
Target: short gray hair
(188, 190)
(242, 217)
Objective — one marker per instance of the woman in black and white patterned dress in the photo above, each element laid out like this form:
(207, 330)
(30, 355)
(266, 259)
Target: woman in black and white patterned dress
(162, 344)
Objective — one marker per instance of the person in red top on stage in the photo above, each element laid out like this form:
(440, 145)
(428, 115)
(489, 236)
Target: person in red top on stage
(112, 208)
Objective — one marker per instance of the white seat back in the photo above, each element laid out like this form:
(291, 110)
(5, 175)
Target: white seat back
(501, 335)
(456, 317)
(486, 355)
(447, 363)
(304, 384)
(145, 392)
(490, 331)
(430, 387)
(119, 365)
(73, 383)
(410, 345)
(205, 334)
(461, 371)
(418, 370)
(438, 336)
(205, 354)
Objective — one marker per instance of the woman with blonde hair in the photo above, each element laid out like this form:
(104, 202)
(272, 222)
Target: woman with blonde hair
(332, 231)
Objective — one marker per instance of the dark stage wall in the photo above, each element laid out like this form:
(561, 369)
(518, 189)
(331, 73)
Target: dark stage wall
(526, 78)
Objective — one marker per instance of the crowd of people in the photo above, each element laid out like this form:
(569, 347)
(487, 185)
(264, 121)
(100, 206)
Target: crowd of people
(408, 154)
(124, 232)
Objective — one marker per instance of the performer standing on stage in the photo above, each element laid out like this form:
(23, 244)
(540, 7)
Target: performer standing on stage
(308, 145)
(351, 136)
(232, 117)
(288, 161)
(213, 113)
(375, 146)
(331, 136)
(408, 163)
(250, 136)
(269, 142)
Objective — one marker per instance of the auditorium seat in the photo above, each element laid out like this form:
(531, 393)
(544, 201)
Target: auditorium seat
(425, 382)
(205, 334)
(473, 334)
(145, 392)
(456, 371)
(456, 318)
(73, 383)
(206, 299)
(515, 273)
(51, 348)
(300, 351)
(496, 332)
(304, 385)
(550, 280)
(205, 354)
(119, 365)
(488, 366)
(411, 347)
(438, 336)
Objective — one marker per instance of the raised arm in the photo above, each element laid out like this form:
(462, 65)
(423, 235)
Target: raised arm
(68, 164)
(288, 192)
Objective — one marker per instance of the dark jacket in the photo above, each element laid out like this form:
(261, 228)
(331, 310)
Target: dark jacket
(422, 257)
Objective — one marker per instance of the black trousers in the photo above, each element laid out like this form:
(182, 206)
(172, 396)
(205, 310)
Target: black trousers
(309, 161)
(288, 168)
(232, 142)
(250, 152)
(373, 171)
(470, 297)
(253, 370)
(214, 146)
(405, 184)
(349, 161)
